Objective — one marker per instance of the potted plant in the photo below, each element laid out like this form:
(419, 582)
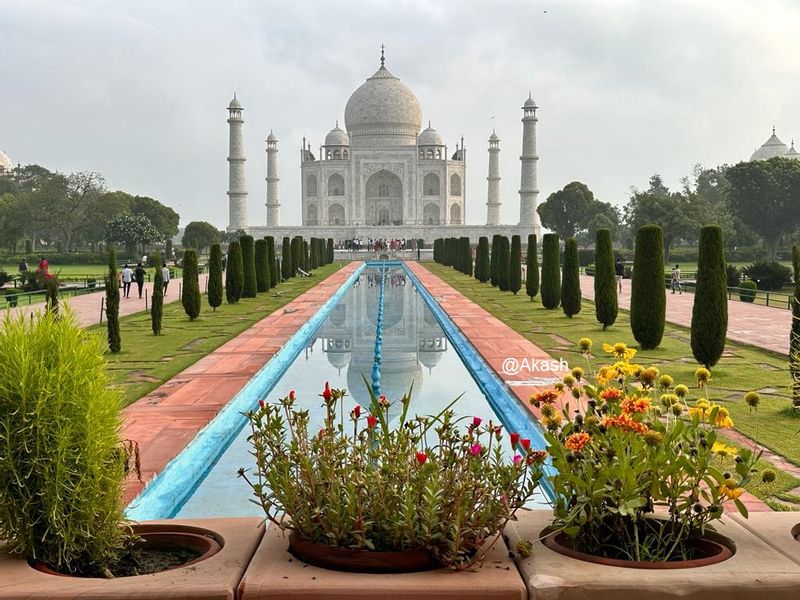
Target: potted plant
(637, 477)
(360, 495)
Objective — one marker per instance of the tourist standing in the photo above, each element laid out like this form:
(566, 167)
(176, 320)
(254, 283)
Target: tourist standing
(23, 267)
(127, 277)
(676, 279)
(43, 266)
(619, 269)
(165, 276)
(138, 275)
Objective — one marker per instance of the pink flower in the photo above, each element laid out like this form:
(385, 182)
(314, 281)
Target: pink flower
(372, 421)
(292, 395)
(476, 421)
(525, 443)
(326, 393)
(421, 457)
(357, 411)
(261, 404)
(475, 449)
(514, 437)
(517, 459)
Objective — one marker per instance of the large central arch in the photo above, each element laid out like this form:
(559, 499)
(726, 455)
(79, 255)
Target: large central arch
(383, 199)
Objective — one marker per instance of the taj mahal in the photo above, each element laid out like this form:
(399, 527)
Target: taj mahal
(383, 176)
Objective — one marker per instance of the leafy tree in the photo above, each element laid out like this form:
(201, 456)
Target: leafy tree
(250, 282)
(262, 266)
(710, 309)
(190, 295)
(132, 230)
(532, 268)
(648, 289)
(571, 280)
(200, 235)
(606, 304)
(504, 265)
(157, 301)
(466, 256)
(515, 265)
(482, 260)
(163, 218)
(551, 271)
(112, 303)
(330, 251)
(565, 212)
(215, 277)
(12, 220)
(274, 273)
(493, 273)
(297, 254)
(234, 273)
(104, 208)
(286, 259)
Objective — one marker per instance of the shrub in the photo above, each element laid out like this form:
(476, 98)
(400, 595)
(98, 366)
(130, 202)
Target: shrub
(733, 276)
(551, 271)
(648, 292)
(605, 280)
(504, 265)
(215, 277)
(286, 259)
(297, 254)
(157, 301)
(190, 294)
(250, 280)
(466, 256)
(51, 293)
(586, 256)
(438, 250)
(306, 257)
(62, 470)
(4, 278)
(234, 275)
(112, 303)
(710, 309)
(482, 260)
(571, 280)
(769, 275)
(747, 291)
(28, 246)
(274, 274)
(532, 268)
(493, 261)
(330, 251)
(262, 266)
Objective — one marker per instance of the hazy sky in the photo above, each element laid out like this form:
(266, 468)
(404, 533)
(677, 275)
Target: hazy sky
(138, 90)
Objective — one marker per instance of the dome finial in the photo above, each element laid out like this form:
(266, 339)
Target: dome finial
(337, 123)
(383, 58)
(773, 130)
(429, 123)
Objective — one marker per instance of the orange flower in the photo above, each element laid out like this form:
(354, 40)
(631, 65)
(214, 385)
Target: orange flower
(611, 394)
(577, 441)
(546, 397)
(632, 404)
(626, 423)
(536, 457)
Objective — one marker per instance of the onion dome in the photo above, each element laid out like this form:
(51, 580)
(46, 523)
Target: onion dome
(792, 153)
(337, 137)
(770, 149)
(430, 137)
(235, 104)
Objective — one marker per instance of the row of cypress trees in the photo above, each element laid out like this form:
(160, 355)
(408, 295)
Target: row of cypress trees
(454, 252)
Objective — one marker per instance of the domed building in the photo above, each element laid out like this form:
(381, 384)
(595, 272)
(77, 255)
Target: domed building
(774, 147)
(6, 166)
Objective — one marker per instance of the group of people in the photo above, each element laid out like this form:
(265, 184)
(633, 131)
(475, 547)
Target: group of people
(44, 267)
(377, 245)
(127, 276)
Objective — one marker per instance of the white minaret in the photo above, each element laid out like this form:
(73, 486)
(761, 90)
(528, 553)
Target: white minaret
(493, 195)
(273, 201)
(237, 186)
(528, 189)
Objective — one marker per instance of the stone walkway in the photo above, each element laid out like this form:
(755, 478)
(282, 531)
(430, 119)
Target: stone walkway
(752, 324)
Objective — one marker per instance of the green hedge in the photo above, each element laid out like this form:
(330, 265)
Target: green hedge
(234, 273)
(504, 265)
(710, 309)
(648, 292)
(286, 259)
(112, 303)
(190, 289)
(515, 265)
(482, 260)
(493, 274)
(215, 277)
(571, 280)
(606, 306)
(157, 301)
(250, 282)
(532, 268)
(262, 266)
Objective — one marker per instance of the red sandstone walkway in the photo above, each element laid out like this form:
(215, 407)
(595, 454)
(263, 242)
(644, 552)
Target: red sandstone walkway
(167, 419)
(752, 324)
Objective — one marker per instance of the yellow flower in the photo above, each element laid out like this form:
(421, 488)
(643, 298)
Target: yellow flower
(585, 345)
(681, 391)
(729, 489)
(724, 450)
(577, 373)
(602, 376)
(569, 380)
(648, 376)
(703, 376)
(752, 400)
(552, 422)
(620, 350)
(665, 382)
(723, 417)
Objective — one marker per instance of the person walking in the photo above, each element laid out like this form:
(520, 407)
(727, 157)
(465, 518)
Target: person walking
(127, 277)
(676, 279)
(23, 267)
(165, 276)
(43, 266)
(619, 270)
(138, 275)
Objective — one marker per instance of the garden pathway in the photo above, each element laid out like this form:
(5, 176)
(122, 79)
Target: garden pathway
(762, 326)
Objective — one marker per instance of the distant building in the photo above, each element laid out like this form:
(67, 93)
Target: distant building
(6, 166)
(774, 147)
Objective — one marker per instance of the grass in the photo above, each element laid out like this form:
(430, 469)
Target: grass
(146, 361)
(743, 368)
(86, 270)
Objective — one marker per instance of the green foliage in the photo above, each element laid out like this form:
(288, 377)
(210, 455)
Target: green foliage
(312, 254)
(493, 273)
(262, 266)
(769, 275)
(190, 295)
(531, 268)
(330, 250)
(112, 303)
(551, 271)
(360, 484)
(733, 275)
(605, 280)
(437, 250)
(63, 468)
(215, 277)
(503, 265)
(234, 273)
(515, 265)
(250, 281)
(157, 301)
(200, 235)
(573, 209)
(274, 273)
(570, 279)
(132, 230)
(794, 335)
(482, 260)
(306, 257)
(748, 291)
(286, 259)
(51, 293)
(710, 309)
(297, 254)
(648, 290)
(466, 256)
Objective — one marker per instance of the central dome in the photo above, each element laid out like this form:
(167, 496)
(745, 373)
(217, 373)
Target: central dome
(383, 111)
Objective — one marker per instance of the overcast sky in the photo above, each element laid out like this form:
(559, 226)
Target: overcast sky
(138, 90)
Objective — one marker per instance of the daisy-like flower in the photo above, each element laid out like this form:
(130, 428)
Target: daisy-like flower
(703, 376)
(665, 382)
(729, 489)
(648, 377)
(577, 441)
(724, 450)
(633, 404)
(546, 397)
(611, 394)
(585, 345)
(552, 422)
(577, 373)
(652, 437)
(752, 399)
(723, 419)
(620, 350)
(681, 391)
(626, 423)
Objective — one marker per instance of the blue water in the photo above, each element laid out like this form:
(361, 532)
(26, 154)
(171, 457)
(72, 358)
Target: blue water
(415, 350)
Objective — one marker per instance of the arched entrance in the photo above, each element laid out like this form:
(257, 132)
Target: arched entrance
(336, 214)
(383, 199)
(430, 214)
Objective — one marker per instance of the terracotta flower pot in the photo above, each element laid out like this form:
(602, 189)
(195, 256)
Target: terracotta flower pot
(359, 561)
(713, 548)
(158, 536)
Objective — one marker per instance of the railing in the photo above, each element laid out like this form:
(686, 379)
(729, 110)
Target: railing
(761, 297)
(12, 299)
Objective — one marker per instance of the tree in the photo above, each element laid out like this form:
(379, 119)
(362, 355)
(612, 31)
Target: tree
(234, 273)
(710, 309)
(532, 268)
(571, 279)
(565, 212)
(794, 336)
(551, 271)
(297, 254)
(200, 235)
(493, 261)
(606, 304)
(190, 295)
(648, 289)
(330, 250)
(163, 218)
(466, 256)
(274, 273)
(215, 277)
(482, 260)
(112, 304)
(250, 282)
(157, 301)
(515, 265)
(503, 265)
(306, 257)
(262, 266)
(12, 220)
(286, 259)
(132, 230)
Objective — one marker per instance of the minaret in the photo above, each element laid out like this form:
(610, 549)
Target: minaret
(273, 201)
(237, 186)
(528, 189)
(493, 196)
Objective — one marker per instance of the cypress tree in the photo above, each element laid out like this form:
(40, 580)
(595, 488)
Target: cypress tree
(532, 268)
(515, 265)
(286, 259)
(648, 289)
(250, 283)
(503, 266)
(482, 260)
(330, 251)
(157, 301)
(466, 256)
(314, 253)
(571, 280)
(306, 257)
(794, 336)
(112, 302)
(274, 274)
(605, 280)
(234, 274)
(493, 261)
(262, 266)
(190, 294)
(215, 277)
(710, 310)
(551, 271)
(297, 254)
(436, 257)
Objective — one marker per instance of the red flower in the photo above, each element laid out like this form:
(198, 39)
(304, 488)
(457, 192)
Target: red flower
(525, 443)
(357, 411)
(326, 393)
(514, 437)
(372, 421)
(421, 457)
(292, 395)
(476, 421)
(475, 449)
(261, 404)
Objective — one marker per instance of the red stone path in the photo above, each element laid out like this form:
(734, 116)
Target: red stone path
(754, 324)
(496, 342)
(167, 419)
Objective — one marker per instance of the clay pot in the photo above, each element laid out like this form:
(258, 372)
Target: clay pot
(359, 561)
(163, 535)
(714, 548)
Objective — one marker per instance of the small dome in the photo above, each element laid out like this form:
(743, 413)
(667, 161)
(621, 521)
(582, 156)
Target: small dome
(529, 103)
(337, 137)
(770, 149)
(792, 153)
(430, 137)
(271, 137)
(6, 166)
(494, 137)
(235, 103)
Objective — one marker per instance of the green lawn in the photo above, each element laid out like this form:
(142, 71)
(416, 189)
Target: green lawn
(147, 361)
(81, 270)
(775, 424)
